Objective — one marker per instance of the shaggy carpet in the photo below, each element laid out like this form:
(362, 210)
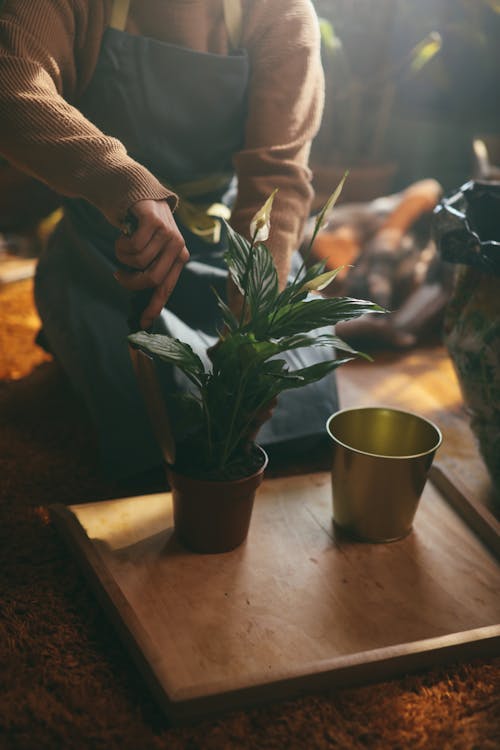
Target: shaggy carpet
(65, 680)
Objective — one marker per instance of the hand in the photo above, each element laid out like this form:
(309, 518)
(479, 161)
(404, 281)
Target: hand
(157, 250)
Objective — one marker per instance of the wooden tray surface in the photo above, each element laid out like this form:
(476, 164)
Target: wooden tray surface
(296, 608)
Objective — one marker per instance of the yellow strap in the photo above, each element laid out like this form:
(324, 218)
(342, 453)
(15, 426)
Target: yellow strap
(119, 14)
(233, 16)
(202, 219)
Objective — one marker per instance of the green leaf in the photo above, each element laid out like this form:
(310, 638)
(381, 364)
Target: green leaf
(295, 289)
(252, 270)
(254, 353)
(262, 287)
(306, 316)
(276, 367)
(236, 257)
(227, 314)
(343, 346)
(292, 293)
(323, 340)
(303, 341)
(312, 272)
(173, 351)
(186, 413)
(304, 376)
(229, 355)
(315, 372)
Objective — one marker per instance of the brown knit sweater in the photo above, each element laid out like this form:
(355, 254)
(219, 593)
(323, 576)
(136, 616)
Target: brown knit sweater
(48, 52)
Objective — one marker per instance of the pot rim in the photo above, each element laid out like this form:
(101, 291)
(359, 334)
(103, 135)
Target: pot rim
(381, 407)
(216, 482)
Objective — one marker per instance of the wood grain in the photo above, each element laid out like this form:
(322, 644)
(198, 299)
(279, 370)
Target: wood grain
(296, 608)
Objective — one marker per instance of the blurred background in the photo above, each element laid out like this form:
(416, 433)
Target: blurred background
(409, 85)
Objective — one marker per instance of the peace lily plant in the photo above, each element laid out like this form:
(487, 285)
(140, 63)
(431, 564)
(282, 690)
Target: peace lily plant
(244, 372)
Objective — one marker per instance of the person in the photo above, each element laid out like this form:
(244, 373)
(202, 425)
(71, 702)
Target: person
(166, 113)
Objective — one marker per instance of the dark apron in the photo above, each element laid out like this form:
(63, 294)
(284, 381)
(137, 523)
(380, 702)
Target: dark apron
(181, 113)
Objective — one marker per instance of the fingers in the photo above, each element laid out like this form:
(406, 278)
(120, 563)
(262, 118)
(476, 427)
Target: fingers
(140, 259)
(151, 215)
(156, 229)
(157, 271)
(158, 252)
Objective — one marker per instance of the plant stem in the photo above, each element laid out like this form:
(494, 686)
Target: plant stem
(208, 422)
(255, 411)
(227, 445)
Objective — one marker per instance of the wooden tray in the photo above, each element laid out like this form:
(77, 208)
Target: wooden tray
(296, 608)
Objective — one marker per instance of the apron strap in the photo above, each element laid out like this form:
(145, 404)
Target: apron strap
(232, 16)
(202, 219)
(119, 14)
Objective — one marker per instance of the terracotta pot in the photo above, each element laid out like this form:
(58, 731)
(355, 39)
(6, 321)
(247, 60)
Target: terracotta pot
(211, 517)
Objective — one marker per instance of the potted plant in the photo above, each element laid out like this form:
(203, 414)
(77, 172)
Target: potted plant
(363, 77)
(218, 467)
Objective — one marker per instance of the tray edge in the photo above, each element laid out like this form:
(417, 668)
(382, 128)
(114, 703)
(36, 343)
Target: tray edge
(344, 671)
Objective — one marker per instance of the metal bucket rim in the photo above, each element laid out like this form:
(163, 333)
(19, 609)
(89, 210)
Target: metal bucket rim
(391, 409)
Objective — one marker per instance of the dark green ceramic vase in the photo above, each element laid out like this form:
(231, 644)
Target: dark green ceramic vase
(467, 231)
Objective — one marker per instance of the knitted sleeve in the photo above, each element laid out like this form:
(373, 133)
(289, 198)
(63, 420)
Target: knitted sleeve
(285, 106)
(47, 48)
